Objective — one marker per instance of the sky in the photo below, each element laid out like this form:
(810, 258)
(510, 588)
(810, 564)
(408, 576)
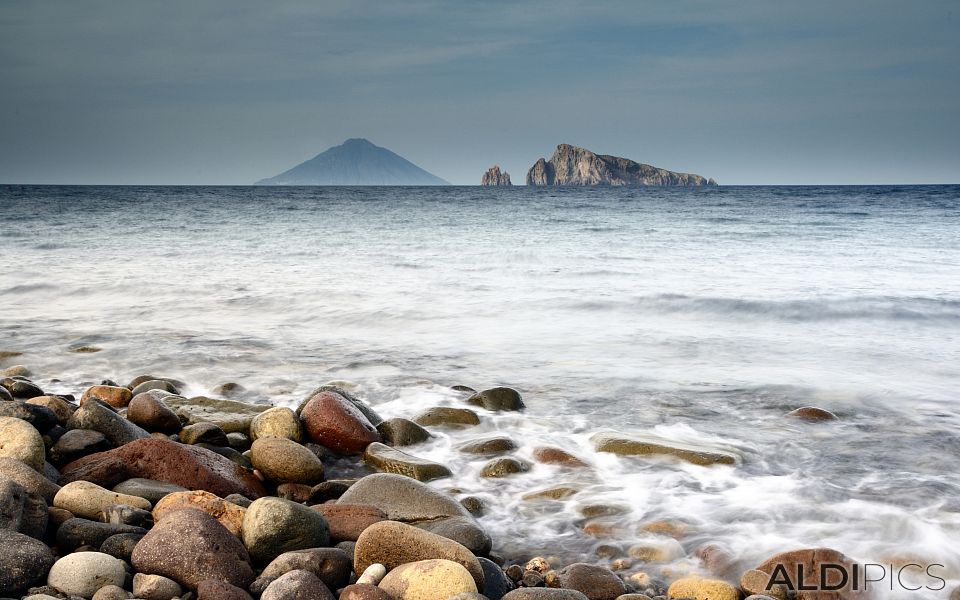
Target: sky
(232, 91)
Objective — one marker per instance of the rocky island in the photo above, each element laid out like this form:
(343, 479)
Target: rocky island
(494, 176)
(575, 166)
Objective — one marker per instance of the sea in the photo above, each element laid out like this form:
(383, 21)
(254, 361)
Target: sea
(697, 315)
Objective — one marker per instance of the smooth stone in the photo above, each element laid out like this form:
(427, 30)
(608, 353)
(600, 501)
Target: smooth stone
(544, 594)
(402, 432)
(5, 395)
(488, 446)
(657, 550)
(698, 588)
(98, 416)
(228, 514)
(112, 592)
(229, 415)
(21, 441)
(653, 446)
(187, 466)
(210, 551)
(339, 388)
(228, 389)
(331, 489)
(463, 530)
(446, 416)
(810, 561)
(32, 480)
(596, 583)
(148, 489)
(203, 433)
(279, 422)
(402, 498)
(432, 579)
(22, 511)
(364, 591)
(103, 468)
(155, 587)
(348, 521)
(21, 388)
(155, 384)
(295, 492)
(336, 423)
(390, 460)
(273, 526)
(496, 584)
(297, 585)
(498, 398)
(503, 467)
(474, 505)
(149, 411)
(228, 453)
(392, 544)
(121, 545)
(282, 460)
(77, 443)
(812, 414)
(40, 417)
(77, 532)
(557, 492)
(83, 573)
(16, 371)
(57, 405)
(373, 574)
(212, 589)
(755, 582)
(332, 565)
(115, 396)
(145, 378)
(239, 500)
(122, 514)
(24, 561)
(549, 455)
(88, 500)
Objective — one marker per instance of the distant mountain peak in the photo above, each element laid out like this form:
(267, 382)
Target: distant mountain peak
(357, 161)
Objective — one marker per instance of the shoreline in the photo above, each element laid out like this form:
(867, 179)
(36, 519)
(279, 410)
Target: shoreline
(127, 458)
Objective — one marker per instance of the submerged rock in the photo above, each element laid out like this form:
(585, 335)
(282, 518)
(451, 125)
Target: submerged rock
(652, 446)
(488, 446)
(502, 467)
(402, 432)
(812, 414)
(390, 460)
(549, 455)
(498, 398)
(447, 416)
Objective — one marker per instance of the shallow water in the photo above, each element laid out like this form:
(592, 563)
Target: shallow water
(700, 315)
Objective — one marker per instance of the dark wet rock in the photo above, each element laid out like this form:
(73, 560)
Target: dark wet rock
(596, 583)
(348, 521)
(498, 398)
(32, 480)
(20, 388)
(402, 498)
(149, 412)
(447, 416)
(121, 545)
(115, 396)
(336, 423)
(294, 492)
(155, 384)
(56, 404)
(106, 470)
(151, 490)
(239, 500)
(402, 432)
(532, 579)
(77, 443)
(239, 441)
(273, 526)
(556, 456)
(207, 551)
(392, 544)
(812, 414)
(360, 405)
(502, 467)
(98, 416)
(203, 433)
(474, 505)
(214, 589)
(187, 466)
(228, 453)
(495, 582)
(145, 378)
(332, 565)
(488, 446)
(390, 460)
(40, 417)
(463, 530)
(299, 584)
(556, 492)
(657, 447)
(328, 490)
(229, 389)
(282, 460)
(78, 532)
(22, 511)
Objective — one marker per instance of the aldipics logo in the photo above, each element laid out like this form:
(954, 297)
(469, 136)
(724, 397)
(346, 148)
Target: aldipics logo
(856, 578)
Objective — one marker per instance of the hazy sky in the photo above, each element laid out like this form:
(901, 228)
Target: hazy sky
(754, 91)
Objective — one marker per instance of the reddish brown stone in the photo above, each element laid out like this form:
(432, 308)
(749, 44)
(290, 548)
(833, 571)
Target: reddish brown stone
(812, 414)
(555, 456)
(347, 521)
(294, 492)
(335, 423)
(717, 559)
(149, 412)
(107, 471)
(213, 589)
(115, 396)
(364, 591)
(190, 467)
(810, 559)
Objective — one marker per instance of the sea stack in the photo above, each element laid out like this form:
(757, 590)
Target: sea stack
(575, 166)
(494, 176)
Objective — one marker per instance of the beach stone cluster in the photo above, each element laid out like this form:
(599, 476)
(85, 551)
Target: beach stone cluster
(136, 491)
